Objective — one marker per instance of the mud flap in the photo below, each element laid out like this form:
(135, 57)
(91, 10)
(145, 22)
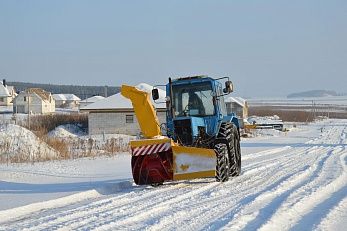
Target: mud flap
(190, 162)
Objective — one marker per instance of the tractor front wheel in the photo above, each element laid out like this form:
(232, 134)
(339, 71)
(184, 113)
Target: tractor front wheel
(222, 165)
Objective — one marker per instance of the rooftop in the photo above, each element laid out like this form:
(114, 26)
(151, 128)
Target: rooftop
(69, 97)
(118, 101)
(44, 95)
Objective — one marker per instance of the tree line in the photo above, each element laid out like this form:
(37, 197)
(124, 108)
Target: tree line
(82, 92)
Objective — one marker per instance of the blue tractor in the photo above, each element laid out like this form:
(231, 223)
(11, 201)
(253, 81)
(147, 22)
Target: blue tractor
(196, 117)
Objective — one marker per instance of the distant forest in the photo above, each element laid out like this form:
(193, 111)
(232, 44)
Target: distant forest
(82, 92)
(315, 93)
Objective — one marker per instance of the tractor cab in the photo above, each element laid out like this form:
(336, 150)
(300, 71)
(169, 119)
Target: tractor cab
(195, 108)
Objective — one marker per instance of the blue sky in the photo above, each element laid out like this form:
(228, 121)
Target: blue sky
(269, 48)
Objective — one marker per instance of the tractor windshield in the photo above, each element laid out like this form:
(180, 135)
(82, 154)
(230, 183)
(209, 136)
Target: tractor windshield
(193, 99)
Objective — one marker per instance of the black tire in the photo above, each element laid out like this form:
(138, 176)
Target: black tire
(225, 131)
(235, 159)
(229, 132)
(222, 165)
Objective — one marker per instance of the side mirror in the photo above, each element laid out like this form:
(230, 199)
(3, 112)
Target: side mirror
(155, 94)
(228, 87)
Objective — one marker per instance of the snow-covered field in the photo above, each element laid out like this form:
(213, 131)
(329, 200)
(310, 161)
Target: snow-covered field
(295, 180)
(328, 100)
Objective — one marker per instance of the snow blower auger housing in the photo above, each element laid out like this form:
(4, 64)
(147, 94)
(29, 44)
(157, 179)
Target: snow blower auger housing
(201, 139)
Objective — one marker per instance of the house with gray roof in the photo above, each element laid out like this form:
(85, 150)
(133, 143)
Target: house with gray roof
(93, 99)
(66, 101)
(115, 114)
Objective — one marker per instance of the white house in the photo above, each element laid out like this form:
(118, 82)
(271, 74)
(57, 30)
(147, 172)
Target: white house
(34, 100)
(115, 114)
(90, 100)
(7, 94)
(66, 100)
(237, 105)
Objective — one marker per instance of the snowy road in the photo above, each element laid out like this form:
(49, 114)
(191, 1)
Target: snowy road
(298, 186)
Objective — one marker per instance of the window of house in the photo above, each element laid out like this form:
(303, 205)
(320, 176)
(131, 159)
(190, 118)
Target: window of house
(129, 119)
(25, 98)
(2, 99)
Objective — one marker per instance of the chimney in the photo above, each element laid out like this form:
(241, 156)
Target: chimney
(4, 82)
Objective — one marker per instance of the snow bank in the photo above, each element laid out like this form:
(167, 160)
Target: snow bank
(264, 120)
(67, 130)
(19, 143)
(80, 144)
(9, 214)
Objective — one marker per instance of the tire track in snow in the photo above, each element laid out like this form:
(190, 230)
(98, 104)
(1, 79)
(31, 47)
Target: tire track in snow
(265, 153)
(190, 219)
(285, 217)
(278, 158)
(204, 210)
(310, 185)
(330, 171)
(210, 210)
(312, 219)
(95, 217)
(275, 198)
(335, 217)
(43, 221)
(82, 213)
(76, 211)
(201, 213)
(265, 201)
(209, 207)
(151, 207)
(213, 188)
(130, 209)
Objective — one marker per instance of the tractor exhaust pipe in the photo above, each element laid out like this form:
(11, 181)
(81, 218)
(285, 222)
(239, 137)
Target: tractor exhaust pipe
(171, 103)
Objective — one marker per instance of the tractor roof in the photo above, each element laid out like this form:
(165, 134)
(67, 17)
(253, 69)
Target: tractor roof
(191, 77)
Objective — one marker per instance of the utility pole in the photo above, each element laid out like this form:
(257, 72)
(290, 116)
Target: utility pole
(28, 110)
(329, 112)
(313, 114)
(105, 91)
(314, 110)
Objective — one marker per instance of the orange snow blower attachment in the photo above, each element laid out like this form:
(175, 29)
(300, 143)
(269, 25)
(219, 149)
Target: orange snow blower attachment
(157, 158)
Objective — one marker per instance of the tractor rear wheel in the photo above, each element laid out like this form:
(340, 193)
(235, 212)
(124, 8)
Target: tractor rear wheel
(235, 162)
(222, 165)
